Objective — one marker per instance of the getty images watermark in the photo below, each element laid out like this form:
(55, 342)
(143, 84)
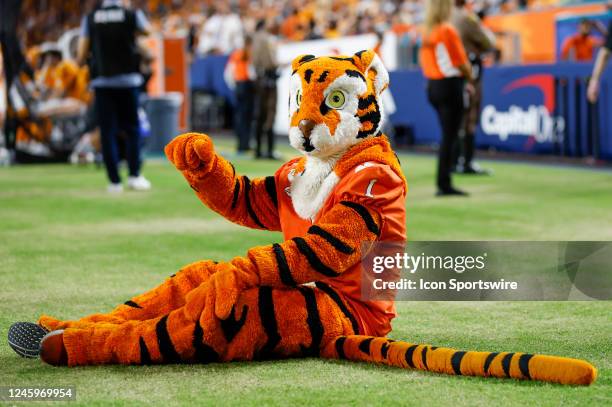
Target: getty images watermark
(488, 271)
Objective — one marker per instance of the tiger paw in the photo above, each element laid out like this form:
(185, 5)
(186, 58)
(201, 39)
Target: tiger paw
(52, 349)
(191, 152)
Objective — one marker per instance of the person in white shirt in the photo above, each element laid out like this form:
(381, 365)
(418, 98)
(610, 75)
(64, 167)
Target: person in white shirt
(222, 32)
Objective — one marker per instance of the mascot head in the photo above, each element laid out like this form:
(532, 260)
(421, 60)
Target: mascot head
(334, 102)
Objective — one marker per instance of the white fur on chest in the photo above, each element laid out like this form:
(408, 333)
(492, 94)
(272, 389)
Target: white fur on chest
(310, 190)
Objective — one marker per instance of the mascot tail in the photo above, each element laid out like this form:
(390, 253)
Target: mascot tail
(469, 363)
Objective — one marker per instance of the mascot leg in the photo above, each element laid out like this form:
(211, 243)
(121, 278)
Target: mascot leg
(159, 301)
(265, 323)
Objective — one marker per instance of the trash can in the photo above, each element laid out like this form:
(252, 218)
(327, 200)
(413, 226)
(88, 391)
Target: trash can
(163, 113)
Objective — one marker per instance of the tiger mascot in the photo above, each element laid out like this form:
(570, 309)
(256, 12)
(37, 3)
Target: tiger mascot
(346, 189)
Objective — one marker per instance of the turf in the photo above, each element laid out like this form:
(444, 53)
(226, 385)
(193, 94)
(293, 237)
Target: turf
(69, 249)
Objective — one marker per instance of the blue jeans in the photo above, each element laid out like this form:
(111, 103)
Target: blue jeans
(117, 111)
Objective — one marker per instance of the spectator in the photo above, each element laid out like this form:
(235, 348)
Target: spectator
(477, 41)
(239, 75)
(222, 32)
(265, 64)
(580, 46)
(600, 64)
(110, 33)
(446, 67)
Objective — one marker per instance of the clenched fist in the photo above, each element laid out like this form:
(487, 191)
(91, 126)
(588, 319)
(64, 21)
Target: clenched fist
(191, 152)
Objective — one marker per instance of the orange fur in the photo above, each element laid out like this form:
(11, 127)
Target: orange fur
(256, 306)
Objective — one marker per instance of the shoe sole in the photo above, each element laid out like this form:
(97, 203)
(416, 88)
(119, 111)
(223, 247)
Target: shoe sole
(25, 338)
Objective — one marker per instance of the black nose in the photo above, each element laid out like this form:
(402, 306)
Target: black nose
(306, 127)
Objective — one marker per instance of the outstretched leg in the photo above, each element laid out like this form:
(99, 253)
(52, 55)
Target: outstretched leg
(265, 323)
(159, 301)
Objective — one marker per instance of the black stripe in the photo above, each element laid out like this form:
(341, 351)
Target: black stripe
(384, 349)
(456, 361)
(340, 347)
(233, 170)
(194, 188)
(344, 59)
(312, 258)
(331, 239)
(203, 352)
(283, 267)
(323, 76)
(132, 304)
(424, 357)
(506, 363)
(365, 215)
(365, 102)
(372, 116)
(247, 198)
(236, 194)
(306, 58)
(315, 326)
(307, 75)
(231, 326)
(524, 364)
(268, 321)
(364, 346)
(358, 53)
(145, 356)
(323, 108)
(166, 348)
(409, 354)
(336, 298)
(354, 74)
(271, 190)
(488, 361)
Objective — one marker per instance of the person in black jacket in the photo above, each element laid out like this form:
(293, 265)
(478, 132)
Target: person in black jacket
(109, 34)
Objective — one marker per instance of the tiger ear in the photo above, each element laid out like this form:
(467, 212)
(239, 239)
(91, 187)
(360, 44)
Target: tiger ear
(299, 60)
(373, 69)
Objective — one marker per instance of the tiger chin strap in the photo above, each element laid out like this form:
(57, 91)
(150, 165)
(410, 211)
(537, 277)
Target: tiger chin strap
(517, 365)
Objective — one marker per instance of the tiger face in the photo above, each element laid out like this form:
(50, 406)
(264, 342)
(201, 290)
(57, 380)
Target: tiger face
(334, 102)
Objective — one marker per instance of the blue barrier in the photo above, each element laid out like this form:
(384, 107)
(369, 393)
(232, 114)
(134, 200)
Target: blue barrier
(206, 74)
(534, 109)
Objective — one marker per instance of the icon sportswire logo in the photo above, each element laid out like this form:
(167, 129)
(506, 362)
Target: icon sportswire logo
(536, 120)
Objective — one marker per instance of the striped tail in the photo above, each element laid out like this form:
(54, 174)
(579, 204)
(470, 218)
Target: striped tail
(470, 363)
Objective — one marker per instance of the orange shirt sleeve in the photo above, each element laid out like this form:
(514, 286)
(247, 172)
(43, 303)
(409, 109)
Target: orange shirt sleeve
(566, 47)
(453, 44)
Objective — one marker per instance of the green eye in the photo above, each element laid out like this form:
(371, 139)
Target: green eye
(298, 98)
(335, 99)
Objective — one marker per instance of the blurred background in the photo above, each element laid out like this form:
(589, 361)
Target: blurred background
(534, 77)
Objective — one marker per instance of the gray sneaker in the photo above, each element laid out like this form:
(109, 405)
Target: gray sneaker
(25, 338)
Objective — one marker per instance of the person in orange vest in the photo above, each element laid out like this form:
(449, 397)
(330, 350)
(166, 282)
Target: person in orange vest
(580, 47)
(446, 66)
(239, 75)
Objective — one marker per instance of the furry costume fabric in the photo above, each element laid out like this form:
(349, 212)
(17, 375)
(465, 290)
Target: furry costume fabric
(347, 189)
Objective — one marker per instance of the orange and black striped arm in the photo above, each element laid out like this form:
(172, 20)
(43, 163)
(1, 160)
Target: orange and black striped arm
(469, 363)
(251, 203)
(330, 247)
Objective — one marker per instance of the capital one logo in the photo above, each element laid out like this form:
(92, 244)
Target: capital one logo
(535, 121)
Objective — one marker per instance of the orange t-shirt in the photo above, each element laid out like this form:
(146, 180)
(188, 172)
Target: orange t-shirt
(582, 45)
(387, 195)
(442, 52)
(240, 64)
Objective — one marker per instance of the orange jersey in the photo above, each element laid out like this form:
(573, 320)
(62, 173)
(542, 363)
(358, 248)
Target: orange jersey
(240, 65)
(371, 183)
(442, 53)
(582, 46)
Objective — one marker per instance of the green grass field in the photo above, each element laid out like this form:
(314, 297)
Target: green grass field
(68, 249)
